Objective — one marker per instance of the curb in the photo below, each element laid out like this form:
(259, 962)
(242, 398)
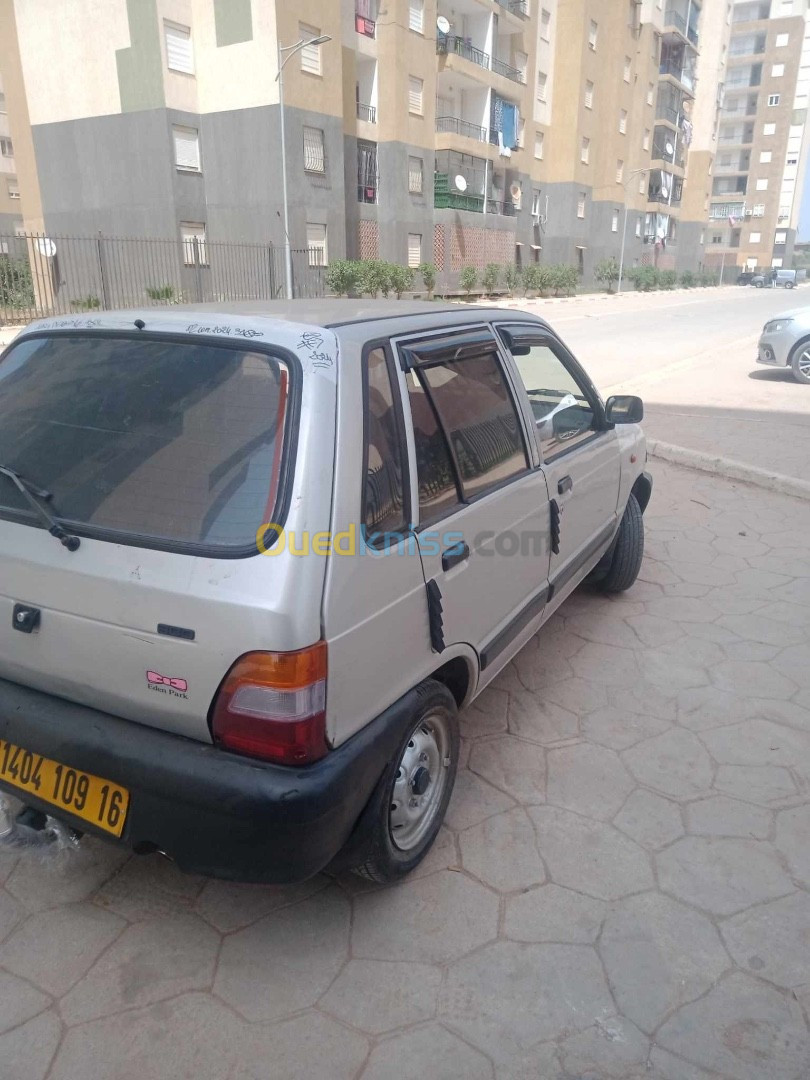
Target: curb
(729, 468)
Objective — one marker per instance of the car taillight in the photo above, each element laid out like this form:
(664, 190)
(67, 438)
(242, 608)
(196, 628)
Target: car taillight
(273, 706)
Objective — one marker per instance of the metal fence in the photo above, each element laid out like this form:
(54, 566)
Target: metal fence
(58, 275)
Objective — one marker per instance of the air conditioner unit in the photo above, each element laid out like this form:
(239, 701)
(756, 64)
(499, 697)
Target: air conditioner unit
(749, 213)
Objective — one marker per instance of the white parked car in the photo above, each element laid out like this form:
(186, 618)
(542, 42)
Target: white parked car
(785, 343)
(257, 559)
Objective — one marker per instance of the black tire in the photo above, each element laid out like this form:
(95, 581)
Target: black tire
(788, 284)
(759, 284)
(380, 858)
(628, 550)
(800, 363)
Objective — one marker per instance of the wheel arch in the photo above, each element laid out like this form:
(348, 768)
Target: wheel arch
(800, 344)
(459, 678)
(642, 489)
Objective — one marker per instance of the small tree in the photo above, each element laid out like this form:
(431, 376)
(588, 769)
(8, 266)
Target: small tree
(531, 278)
(342, 276)
(374, 277)
(16, 284)
(564, 279)
(607, 273)
(667, 279)
(644, 278)
(401, 278)
(688, 280)
(491, 277)
(428, 272)
(468, 279)
(511, 277)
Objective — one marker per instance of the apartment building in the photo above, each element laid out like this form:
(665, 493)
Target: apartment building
(762, 138)
(453, 131)
(10, 215)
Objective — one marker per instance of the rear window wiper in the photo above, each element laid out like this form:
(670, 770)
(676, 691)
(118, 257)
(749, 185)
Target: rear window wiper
(36, 497)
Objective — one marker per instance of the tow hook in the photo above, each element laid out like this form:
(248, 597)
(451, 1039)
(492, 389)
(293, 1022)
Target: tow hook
(31, 828)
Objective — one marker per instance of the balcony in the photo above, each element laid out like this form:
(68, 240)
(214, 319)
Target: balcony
(453, 43)
(364, 26)
(723, 211)
(741, 107)
(673, 19)
(679, 62)
(454, 125)
(732, 163)
(744, 76)
(367, 113)
(445, 198)
(736, 136)
(367, 174)
(515, 7)
(664, 188)
(667, 146)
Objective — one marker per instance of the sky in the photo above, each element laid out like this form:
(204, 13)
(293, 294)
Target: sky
(804, 213)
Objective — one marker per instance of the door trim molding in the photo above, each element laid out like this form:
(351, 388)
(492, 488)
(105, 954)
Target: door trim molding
(574, 565)
(502, 639)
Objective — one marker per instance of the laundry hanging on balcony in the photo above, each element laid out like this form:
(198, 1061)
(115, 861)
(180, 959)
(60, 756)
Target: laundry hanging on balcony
(505, 121)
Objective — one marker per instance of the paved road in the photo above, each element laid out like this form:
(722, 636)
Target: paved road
(692, 357)
(622, 891)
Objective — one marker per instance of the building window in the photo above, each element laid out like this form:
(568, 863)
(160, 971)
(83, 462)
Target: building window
(314, 153)
(581, 204)
(614, 221)
(792, 161)
(593, 34)
(310, 54)
(414, 250)
(13, 189)
(316, 244)
(186, 149)
(769, 129)
(702, 238)
(545, 25)
(782, 40)
(2, 102)
(542, 79)
(642, 184)
(415, 176)
(777, 70)
(717, 238)
(416, 16)
(366, 171)
(776, 263)
(638, 227)
(765, 157)
(628, 68)
(762, 185)
(522, 64)
(585, 150)
(759, 209)
(645, 142)
(179, 49)
(415, 95)
(192, 237)
(773, 99)
(589, 95)
(780, 238)
(6, 147)
(650, 93)
(619, 172)
(755, 238)
(539, 138)
(623, 122)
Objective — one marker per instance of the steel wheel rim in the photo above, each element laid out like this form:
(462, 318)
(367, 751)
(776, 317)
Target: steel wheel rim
(413, 808)
(804, 363)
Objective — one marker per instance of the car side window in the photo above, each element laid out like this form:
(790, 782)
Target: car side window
(562, 411)
(384, 509)
(435, 473)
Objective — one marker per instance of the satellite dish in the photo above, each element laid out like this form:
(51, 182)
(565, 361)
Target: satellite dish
(442, 25)
(514, 191)
(665, 190)
(670, 149)
(460, 183)
(46, 247)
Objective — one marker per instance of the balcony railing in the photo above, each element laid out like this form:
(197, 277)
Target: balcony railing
(446, 199)
(516, 7)
(454, 125)
(680, 72)
(672, 17)
(367, 113)
(739, 164)
(665, 111)
(364, 26)
(452, 43)
(721, 211)
(670, 151)
(509, 72)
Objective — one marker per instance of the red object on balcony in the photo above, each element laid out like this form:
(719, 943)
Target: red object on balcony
(365, 26)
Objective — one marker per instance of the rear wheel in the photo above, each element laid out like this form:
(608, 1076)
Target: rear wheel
(410, 801)
(759, 284)
(627, 552)
(800, 363)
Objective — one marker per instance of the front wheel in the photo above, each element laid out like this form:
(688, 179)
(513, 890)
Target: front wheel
(800, 364)
(409, 803)
(627, 552)
(759, 284)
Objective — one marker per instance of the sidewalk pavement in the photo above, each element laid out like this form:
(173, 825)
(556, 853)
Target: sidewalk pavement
(622, 889)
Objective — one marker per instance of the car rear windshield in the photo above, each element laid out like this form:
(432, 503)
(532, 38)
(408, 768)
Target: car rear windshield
(170, 442)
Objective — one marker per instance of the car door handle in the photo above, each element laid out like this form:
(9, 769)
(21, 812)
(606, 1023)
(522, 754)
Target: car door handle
(459, 553)
(566, 484)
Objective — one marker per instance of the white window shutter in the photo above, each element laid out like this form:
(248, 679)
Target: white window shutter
(310, 54)
(416, 15)
(179, 51)
(414, 250)
(415, 95)
(187, 149)
(316, 244)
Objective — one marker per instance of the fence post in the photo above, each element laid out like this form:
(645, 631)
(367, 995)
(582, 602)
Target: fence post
(105, 301)
(197, 269)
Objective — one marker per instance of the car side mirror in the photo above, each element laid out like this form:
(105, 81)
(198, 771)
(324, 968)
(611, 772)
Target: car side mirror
(624, 409)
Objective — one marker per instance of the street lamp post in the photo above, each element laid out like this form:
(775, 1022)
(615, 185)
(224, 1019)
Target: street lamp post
(290, 50)
(632, 176)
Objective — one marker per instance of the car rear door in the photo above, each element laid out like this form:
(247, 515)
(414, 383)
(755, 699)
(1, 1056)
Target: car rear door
(479, 495)
(578, 448)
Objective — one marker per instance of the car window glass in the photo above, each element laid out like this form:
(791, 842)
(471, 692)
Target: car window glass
(384, 504)
(475, 407)
(438, 493)
(561, 409)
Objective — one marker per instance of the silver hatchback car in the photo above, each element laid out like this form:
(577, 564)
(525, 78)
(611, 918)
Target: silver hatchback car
(785, 343)
(257, 559)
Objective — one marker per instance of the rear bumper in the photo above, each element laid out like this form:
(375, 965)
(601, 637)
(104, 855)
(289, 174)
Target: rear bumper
(212, 812)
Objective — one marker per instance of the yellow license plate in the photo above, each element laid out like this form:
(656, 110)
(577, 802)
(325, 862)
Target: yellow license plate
(79, 793)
